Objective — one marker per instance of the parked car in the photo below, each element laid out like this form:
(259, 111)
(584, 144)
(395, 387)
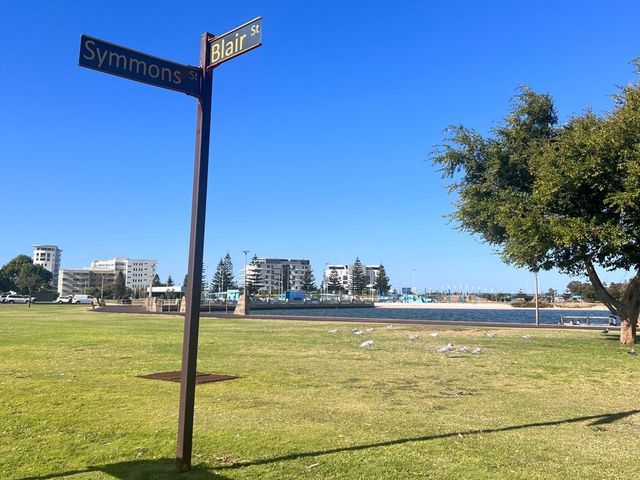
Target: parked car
(11, 298)
(82, 299)
(64, 299)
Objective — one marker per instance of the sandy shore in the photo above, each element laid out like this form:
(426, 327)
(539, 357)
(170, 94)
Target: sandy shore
(482, 306)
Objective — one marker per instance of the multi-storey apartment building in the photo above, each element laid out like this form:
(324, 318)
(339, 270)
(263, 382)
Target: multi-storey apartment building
(77, 281)
(345, 272)
(49, 257)
(138, 275)
(278, 275)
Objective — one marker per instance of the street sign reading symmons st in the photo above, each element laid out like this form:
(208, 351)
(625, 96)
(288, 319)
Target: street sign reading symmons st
(124, 62)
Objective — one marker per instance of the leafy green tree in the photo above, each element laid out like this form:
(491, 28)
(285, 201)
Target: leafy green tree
(169, 281)
(10, 271)
(31, 278)
(156, 281)
(217, 283)
(308, 281)
(120, 286)
(229, 278)
(334, 285)
(617, 290)
(382, 283)
(555, 196)
(358, 279)
(584, 289)
(254, 277)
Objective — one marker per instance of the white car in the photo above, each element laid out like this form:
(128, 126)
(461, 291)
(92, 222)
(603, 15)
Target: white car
(12, 298)
(82, 299)
(64, 299)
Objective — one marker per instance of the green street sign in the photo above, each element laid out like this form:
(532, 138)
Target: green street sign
(236, 42)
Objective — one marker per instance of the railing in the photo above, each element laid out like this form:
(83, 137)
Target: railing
(575, 319)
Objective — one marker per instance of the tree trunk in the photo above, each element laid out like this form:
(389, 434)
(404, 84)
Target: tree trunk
(627, 331)
(627, 308)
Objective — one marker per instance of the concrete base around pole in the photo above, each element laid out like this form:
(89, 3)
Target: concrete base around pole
(242, 307)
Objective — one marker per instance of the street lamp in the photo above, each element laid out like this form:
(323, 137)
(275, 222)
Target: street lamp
(245, 273)
(413, 280)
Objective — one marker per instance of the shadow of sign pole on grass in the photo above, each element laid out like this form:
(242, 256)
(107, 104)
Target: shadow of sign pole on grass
(165, 468)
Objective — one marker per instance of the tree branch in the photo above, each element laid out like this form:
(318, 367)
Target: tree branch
(614, 305)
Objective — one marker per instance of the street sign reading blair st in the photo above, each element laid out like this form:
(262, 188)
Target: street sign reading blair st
(124, 62)
(236, 42)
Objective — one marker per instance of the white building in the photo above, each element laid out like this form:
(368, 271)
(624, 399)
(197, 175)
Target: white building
(278, 275)
(80, 280)
(48, 256)
(345, 273)
(137, 273)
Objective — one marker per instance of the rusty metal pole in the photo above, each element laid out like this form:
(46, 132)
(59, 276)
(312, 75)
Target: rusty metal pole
(194, 279)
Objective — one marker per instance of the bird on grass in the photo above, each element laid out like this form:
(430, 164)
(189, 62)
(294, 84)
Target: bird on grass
(446, 349)
(490, 334)
(605, 331)
(366, 344)
(476, 351)
(464, 349)
(526, 337)
(413, 337)
(632, 352)
(335, 330)
(358, 332)
(370, 329)
(389, 327)
(433, 334)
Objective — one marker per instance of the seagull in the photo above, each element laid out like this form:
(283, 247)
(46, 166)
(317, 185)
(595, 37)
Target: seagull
(354, 329)
(605, 331)
(476, 351)
(366, 344)
(464, 349)
(632, 352)
(526, 337)
(389, 327)
(370, 329)
(335, 330)
(433, 334)
(490, 334)
(446, 349)
(413, 337)
(358, 332)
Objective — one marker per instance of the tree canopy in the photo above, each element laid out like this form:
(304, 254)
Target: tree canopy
(334, 285)
(254, 277)
(549, 195)
(308, 281)
(382, 284)
(358, 278)
(20, 274)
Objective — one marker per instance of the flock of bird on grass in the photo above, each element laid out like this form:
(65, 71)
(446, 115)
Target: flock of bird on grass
(448, 348)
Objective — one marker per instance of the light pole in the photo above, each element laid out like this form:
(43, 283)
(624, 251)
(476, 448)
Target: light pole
(245, 273)
(413, 280)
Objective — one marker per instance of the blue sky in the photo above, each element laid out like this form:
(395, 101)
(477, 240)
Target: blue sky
(320, 138)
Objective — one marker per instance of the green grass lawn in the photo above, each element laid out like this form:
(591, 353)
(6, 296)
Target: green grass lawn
(311, 404)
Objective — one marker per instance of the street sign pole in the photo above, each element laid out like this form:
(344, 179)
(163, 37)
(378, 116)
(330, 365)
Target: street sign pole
(194, 279)
(116, 60)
